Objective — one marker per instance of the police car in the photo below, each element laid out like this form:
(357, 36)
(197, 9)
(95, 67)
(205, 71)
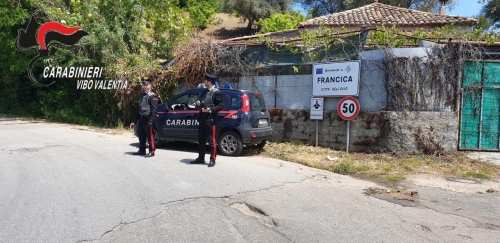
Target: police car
(244, 121)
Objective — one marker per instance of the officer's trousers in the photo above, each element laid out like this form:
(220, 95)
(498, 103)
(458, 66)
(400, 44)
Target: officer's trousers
(206, 133)
(145, 133)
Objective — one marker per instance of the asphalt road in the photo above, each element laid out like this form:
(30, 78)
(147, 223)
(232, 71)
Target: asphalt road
(63, 183)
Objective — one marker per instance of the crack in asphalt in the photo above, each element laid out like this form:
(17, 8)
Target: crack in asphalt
(312, 178)
(479, 224)
(119, 225)
(192, 199)
(215, 197)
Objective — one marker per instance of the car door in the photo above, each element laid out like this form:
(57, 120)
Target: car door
(260, 116)
(178, 123)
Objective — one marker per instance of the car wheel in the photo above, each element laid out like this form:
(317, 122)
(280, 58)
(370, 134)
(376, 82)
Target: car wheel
(156, 137)
(230, 144)
(261, 144)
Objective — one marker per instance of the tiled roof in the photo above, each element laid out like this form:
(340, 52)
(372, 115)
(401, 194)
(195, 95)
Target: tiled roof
(376, 14)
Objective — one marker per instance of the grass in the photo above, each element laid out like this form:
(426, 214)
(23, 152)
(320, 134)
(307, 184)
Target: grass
(381, 166)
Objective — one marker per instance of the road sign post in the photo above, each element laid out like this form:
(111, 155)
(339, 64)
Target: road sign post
(316, 113)
(348, 109)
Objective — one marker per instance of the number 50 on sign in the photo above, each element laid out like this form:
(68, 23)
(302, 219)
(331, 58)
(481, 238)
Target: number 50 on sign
(348, 108)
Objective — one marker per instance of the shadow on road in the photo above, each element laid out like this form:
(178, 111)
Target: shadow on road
(174, 145)
(193, 147)
(187, 161)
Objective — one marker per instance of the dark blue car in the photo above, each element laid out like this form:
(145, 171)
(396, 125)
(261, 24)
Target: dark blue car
(244, 121)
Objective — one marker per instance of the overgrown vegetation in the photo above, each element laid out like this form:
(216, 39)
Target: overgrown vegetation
(381, 166)
(127, 38)
(195, 58)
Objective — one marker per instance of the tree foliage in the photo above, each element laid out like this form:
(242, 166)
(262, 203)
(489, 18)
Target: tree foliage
(492, 11)
(128, 38)
(280, 21)
(483, 23)
(325, 7)
(201, 12)
(253, 10)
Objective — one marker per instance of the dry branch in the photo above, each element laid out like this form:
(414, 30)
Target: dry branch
(195, 58)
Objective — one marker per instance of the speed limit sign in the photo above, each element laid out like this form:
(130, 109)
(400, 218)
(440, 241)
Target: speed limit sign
(348, 108)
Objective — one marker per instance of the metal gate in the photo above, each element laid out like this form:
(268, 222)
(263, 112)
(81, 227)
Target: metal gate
(480, 113)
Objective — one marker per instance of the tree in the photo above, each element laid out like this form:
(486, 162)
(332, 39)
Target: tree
(325, 7)
(492, 11)
(127, 38)
(483, 23)
(201, 13)
(279, 21)
(253, 10)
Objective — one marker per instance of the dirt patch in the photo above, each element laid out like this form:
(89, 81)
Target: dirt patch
(406, 198)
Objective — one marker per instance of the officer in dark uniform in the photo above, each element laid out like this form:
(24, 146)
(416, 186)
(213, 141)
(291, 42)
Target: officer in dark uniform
(210, 102)
(148, 104)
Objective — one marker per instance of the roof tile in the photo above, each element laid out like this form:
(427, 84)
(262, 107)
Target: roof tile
(378, 13)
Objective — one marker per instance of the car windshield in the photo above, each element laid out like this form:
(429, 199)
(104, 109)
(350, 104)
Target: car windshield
(257, 102)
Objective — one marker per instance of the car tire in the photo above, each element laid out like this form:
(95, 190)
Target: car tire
(230, 144)
(261, 144)
(156, 136)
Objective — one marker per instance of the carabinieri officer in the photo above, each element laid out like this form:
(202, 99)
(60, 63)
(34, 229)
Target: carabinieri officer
(211, 102)
(148, 104)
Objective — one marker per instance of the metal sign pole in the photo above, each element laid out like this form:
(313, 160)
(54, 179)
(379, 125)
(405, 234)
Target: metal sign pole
(347, 137)
(316, 133)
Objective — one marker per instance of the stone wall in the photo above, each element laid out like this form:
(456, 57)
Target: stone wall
(383, 131)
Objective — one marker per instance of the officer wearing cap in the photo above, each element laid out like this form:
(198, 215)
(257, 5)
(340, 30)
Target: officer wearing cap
(210, 102)
(146, 116)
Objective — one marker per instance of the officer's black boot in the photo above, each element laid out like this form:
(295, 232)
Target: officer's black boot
(211, 164)
(140, 152)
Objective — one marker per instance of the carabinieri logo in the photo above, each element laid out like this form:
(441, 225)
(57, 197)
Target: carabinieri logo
(42, 37)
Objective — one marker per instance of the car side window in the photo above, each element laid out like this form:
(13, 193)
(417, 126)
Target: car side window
(184, 102)
(235, 103)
